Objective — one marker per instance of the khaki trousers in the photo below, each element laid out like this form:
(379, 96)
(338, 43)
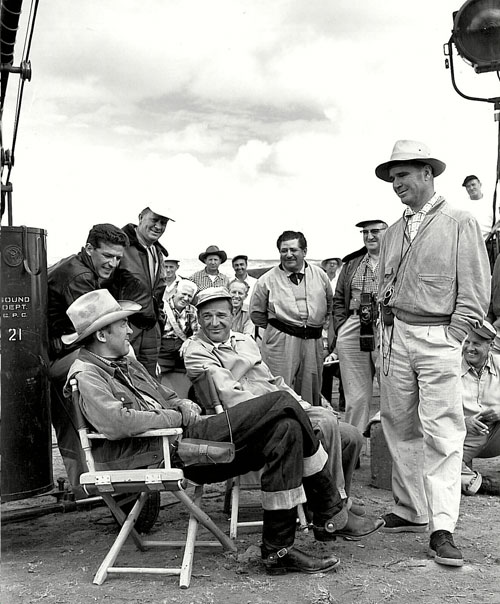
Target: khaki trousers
(423, 422)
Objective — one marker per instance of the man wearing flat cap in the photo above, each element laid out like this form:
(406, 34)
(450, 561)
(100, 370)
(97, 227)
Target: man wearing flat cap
(481, 402)
(357, 344)
(143, 261)
(210, 276)
(120, 399)
(434, 289)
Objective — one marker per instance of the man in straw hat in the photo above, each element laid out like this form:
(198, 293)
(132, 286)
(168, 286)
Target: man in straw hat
(143, 262)
(481, 402)
(434, 288)
(210, 276)
(119, 398)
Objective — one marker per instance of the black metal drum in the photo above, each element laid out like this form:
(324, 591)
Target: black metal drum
(26, 443)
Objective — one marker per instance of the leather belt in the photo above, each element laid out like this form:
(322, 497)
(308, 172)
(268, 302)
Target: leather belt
(354, 311)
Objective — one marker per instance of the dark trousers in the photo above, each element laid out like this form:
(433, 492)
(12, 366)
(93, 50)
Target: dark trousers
(273, 433)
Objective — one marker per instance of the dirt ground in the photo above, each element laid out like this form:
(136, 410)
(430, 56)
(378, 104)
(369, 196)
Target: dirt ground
(52, 559)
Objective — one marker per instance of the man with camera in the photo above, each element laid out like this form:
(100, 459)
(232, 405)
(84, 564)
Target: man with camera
(354, 321)
(435, 289)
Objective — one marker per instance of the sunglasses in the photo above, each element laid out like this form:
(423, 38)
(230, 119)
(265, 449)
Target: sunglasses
(371, 231)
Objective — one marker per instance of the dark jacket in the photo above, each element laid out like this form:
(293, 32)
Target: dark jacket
(134, 267)
(342, 296)
(69, 279)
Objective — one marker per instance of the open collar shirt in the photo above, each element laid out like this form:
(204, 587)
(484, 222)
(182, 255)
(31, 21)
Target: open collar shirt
(481, 392)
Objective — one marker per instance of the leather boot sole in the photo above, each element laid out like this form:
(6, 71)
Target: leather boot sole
(445, 561)
(283, 570)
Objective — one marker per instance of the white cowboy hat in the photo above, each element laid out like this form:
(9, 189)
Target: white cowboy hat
(411, 151)
(95, 310)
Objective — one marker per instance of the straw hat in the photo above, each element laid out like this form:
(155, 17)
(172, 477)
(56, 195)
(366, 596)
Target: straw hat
(409, 151)
(95, 310)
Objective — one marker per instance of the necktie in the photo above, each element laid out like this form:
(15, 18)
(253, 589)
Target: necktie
(296, 278)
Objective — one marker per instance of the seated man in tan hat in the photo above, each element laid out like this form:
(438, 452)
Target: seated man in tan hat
(242, 379)
(143, 260)
(210, 276)
(119, 399)
(481, 402)
(434, 288)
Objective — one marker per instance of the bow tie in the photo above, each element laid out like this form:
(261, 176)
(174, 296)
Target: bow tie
(296, 278)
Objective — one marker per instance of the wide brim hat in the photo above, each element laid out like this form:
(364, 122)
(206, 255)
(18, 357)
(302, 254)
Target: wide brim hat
(337, 260)
(364, 223)
(409, 151)
(213, 250)
(210, 294)
(95, 310)
(164, 213)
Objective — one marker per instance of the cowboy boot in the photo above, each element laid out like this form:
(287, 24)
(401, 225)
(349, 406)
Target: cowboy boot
(279, 555)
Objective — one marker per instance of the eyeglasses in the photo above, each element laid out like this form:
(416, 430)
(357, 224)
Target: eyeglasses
(371, 231)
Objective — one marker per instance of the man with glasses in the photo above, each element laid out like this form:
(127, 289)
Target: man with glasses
(354, 320)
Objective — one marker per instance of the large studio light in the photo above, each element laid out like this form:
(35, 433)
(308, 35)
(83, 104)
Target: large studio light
(476, 34)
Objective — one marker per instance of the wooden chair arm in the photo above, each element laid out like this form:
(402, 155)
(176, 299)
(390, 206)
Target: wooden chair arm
(148, 434)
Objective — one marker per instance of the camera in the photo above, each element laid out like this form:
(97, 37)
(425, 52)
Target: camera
(367, 319)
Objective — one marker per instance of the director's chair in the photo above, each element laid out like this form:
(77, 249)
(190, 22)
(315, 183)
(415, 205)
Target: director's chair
(208, 398)
(141, 482)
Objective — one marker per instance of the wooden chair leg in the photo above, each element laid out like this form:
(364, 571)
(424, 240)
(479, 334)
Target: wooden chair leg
(125, 531)
(120, 517)
(235, 506)
(206, 521)
(187, 559)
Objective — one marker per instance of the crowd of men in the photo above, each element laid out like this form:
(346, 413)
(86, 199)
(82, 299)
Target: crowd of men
(412, 308)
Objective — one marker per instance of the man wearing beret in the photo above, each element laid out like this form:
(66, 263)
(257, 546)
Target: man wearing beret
(434, 289)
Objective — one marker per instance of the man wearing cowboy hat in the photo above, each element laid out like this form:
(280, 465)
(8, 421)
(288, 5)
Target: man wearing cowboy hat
(143, 261)
(434, 289)
(359, 364)
(481, 402)
(210, 276)
(119, 399)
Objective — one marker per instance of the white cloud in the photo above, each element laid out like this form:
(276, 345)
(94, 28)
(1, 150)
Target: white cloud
(248, 116)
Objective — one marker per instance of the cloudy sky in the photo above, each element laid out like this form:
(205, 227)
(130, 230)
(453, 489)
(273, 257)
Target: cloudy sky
(244, 118)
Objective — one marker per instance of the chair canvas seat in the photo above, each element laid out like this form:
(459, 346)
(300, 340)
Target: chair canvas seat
(142, 480)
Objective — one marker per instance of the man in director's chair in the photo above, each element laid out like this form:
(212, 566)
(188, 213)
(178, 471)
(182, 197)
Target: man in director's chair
(120, 399)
